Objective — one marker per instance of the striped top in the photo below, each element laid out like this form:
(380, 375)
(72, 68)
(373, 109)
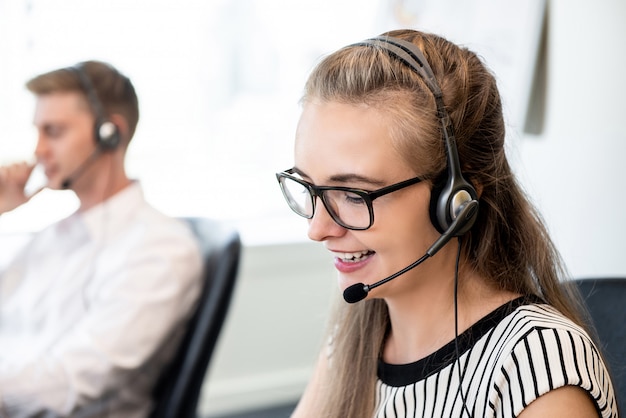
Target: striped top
(508, 359)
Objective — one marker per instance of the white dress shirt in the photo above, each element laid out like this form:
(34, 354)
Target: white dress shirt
(92, 308)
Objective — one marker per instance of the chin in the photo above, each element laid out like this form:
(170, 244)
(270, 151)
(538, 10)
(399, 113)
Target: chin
(344, 282)
(54, 185)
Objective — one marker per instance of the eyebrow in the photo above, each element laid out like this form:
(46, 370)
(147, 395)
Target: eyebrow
(46, 126)
(347, 178)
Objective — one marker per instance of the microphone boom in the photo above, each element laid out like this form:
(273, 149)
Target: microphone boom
(81, 168)
(359, 291)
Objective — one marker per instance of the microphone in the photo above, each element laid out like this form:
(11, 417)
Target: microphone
(359, 291)
(80, 170)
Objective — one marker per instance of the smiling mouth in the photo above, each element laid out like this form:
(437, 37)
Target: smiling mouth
(354, 257)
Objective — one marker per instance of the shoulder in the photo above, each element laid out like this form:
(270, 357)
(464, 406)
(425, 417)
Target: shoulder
(541, 350)
(157, 226)
(170, 237)
(141, 235)
(539, 325)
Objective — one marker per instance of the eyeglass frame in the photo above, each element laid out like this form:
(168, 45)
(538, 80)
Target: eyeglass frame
(318, 191)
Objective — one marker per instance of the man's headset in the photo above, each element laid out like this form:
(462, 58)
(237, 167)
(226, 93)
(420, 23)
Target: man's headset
(452, 192)
(106, 133)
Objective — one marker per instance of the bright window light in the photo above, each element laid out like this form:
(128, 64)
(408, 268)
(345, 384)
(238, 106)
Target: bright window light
(218, 85)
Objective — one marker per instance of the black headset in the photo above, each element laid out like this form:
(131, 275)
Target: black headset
(452, 192)
(106, 133)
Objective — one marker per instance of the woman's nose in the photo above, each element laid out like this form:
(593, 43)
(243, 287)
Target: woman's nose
(322, 225)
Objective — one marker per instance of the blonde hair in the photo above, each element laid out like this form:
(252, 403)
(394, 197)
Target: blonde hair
(508, 244)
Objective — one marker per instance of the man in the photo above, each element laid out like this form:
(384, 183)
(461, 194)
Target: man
(95, 305)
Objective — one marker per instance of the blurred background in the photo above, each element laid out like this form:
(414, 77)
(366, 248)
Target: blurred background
(219, 83)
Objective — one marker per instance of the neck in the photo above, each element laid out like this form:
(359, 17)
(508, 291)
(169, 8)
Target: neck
(424, 320)
(421, 323)
(107, 179)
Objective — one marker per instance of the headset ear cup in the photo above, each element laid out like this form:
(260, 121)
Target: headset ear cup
(461, 199)
(107, 135)
(435, 195)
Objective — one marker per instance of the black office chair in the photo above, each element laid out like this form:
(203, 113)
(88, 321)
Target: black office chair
(605, 299)
(178, 390)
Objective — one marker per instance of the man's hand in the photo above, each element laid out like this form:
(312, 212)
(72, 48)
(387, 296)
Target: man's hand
(13, 179)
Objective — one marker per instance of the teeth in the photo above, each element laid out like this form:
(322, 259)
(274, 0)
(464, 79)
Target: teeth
(353, 256)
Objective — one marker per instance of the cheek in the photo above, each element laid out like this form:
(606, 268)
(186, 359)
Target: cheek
(79, 144)
(404, 233)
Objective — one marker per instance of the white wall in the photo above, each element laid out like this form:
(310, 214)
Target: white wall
(273, 332)
(572, 170)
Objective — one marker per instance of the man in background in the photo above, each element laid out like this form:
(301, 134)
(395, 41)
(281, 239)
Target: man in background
(95, 305)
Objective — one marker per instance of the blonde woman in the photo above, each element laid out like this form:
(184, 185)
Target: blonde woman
(401, 143)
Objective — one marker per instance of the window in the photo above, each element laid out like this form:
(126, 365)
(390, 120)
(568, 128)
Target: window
(218, 85)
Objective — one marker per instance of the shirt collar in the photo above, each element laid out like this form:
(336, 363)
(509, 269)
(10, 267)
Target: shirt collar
(107, 217)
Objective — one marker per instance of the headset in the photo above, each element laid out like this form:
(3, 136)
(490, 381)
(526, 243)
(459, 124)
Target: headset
(452, 191)
(453, 201)
(106, 133)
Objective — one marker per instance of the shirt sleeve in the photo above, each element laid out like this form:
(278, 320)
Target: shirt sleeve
(141, 294)
(547, 359)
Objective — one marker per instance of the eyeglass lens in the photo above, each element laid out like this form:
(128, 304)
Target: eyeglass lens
(298, 196)
(347, 208)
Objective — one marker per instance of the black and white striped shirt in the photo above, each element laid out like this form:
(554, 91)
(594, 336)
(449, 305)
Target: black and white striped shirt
(509, 358)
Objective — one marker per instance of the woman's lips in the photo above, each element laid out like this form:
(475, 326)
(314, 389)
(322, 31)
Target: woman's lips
(352, 261)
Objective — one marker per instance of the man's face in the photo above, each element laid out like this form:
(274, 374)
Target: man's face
(65, 136)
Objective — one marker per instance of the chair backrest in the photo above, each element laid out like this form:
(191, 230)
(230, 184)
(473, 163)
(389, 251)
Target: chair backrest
(178, 390)
(605, 299)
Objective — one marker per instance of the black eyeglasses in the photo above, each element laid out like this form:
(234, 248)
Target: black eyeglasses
(350, 208)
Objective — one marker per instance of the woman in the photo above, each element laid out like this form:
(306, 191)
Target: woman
(414, 125)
